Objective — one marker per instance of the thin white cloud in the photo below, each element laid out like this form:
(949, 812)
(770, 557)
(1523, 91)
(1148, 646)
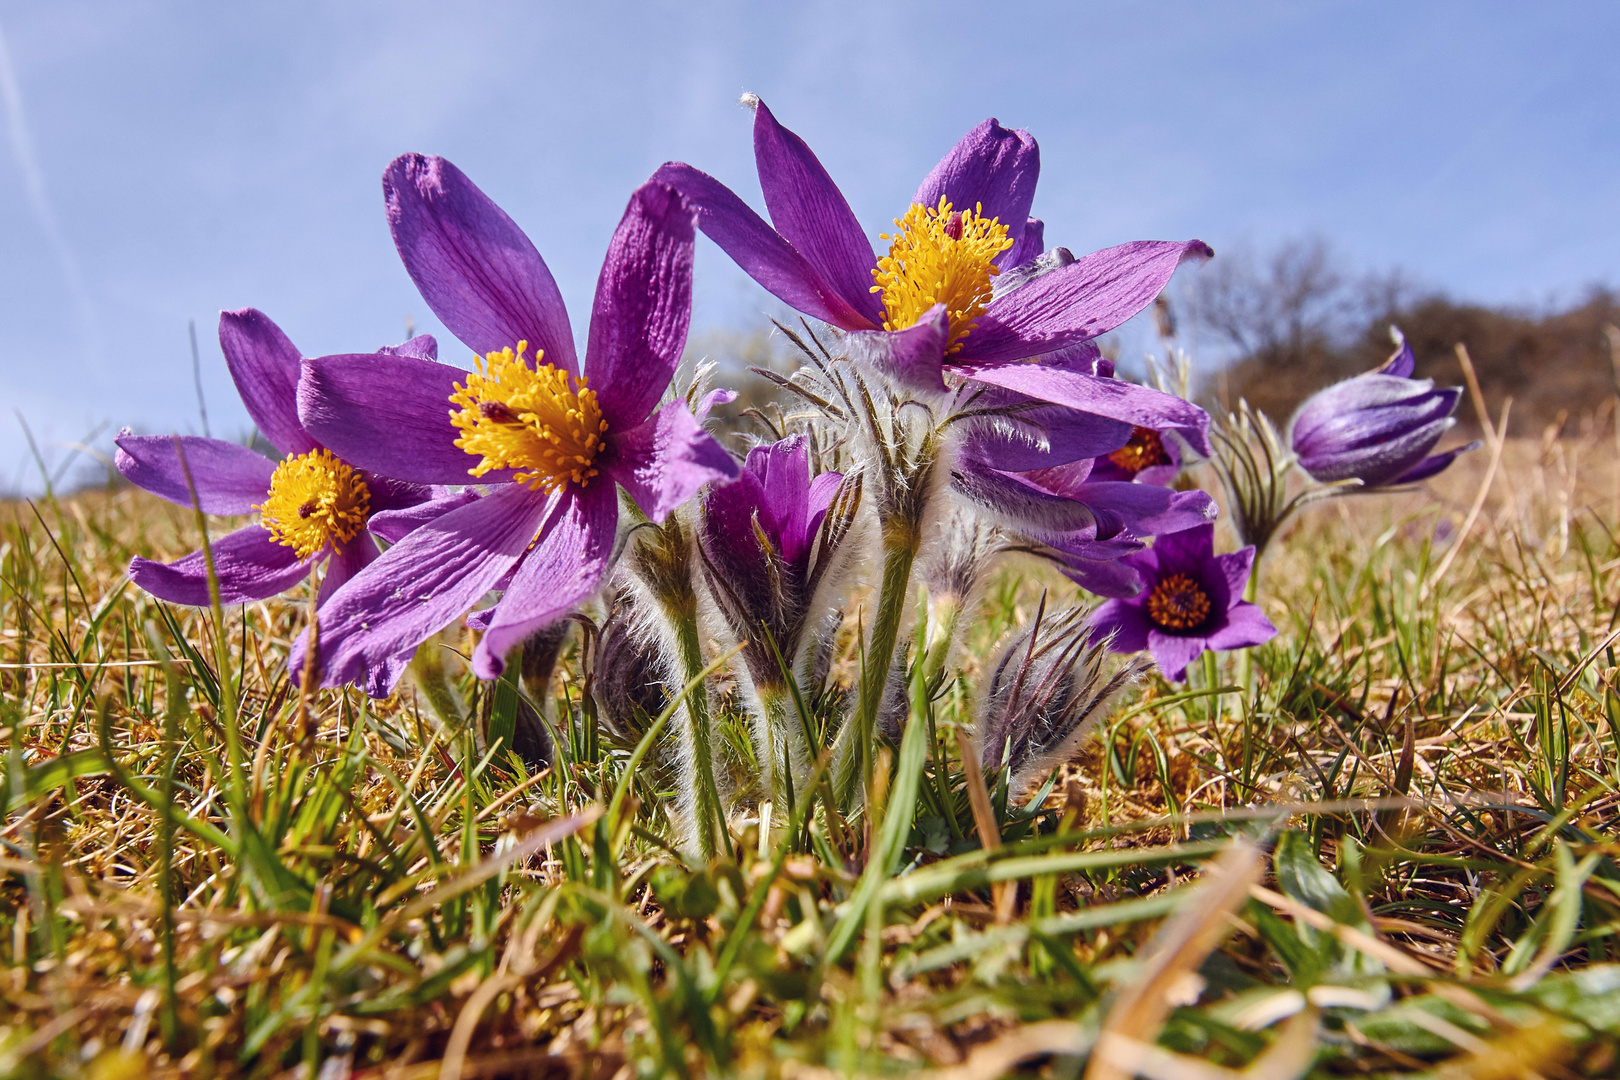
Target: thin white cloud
(22, 147)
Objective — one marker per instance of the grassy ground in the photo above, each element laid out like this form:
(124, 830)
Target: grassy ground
(1398, 841)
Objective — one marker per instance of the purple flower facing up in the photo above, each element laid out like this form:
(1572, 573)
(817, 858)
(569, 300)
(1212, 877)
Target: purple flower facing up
(551, 449)
(314, 506)
(966, 289)
(1191, 600)
(1377, 428)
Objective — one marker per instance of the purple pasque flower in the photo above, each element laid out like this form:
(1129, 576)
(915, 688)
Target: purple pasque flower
(314, 506)
(759, 549)
(1378, 427)
(966, 289)
(551, 449)
(1191, 600)
(1055, 492)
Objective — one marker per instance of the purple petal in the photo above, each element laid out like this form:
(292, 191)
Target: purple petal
(1433, 464)
(474, 267)
(564, 566)
(783, 469)
(823, 489)
(789, 503)
(1028, 246)
(1126, 621)
(1144, 509)
(388, 414)
(759, 249)
(1014, 443)
(1173, 653)
(1246, 626)
(993, 168)
(1174, 512)
(913, 357)
(1023, 503)
(249, 565)
(707, 403)
(728, 516)
(1112, 398)
(1114, 577)
(1188, 549)
(643, 306)
(422, 346)
(264, 366)
(345, 563)
(390, 494)
(1234, 567)
(664, 461)
(1085, 299)
(394, 525)
(1402, 363)
(229, 479)
(422, 584)
(811, 213)
(1368, 409)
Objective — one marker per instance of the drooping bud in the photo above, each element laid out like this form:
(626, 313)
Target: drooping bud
(1377, 428)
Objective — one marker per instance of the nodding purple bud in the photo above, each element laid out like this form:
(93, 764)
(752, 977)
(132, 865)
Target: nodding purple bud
(1377, 428)
(953, 226)
(494, 410)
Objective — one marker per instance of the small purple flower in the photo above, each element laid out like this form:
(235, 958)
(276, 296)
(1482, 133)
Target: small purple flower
(1378, 427)
(1191, 600)
(314, 506)
(966, 289)
(758, 538)
(551, 449)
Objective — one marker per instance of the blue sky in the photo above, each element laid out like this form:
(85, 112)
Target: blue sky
(165, 160)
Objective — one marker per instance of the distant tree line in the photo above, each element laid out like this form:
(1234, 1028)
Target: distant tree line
(1296, 319)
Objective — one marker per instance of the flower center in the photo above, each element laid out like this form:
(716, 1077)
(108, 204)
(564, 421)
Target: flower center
(1178, 603)
(513, 416)
(1144, 451)
(315, 499)
(939, 256)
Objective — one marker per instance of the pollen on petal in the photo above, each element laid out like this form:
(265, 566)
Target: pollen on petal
(532, 419)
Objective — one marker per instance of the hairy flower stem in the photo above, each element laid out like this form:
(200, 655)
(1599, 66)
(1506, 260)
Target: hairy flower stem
(689, 651)
(899, 552)
(779, 743)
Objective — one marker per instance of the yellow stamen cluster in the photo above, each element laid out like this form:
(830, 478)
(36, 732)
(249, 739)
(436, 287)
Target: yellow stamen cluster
(315, 499)
(1178, 603)
(1144, 451)
(513, 416)
(939, 256)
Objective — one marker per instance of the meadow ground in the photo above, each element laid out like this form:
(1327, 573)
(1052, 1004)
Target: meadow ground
(1385, 846)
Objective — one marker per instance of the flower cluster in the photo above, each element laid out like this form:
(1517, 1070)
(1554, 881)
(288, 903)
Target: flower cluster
(953, 410)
